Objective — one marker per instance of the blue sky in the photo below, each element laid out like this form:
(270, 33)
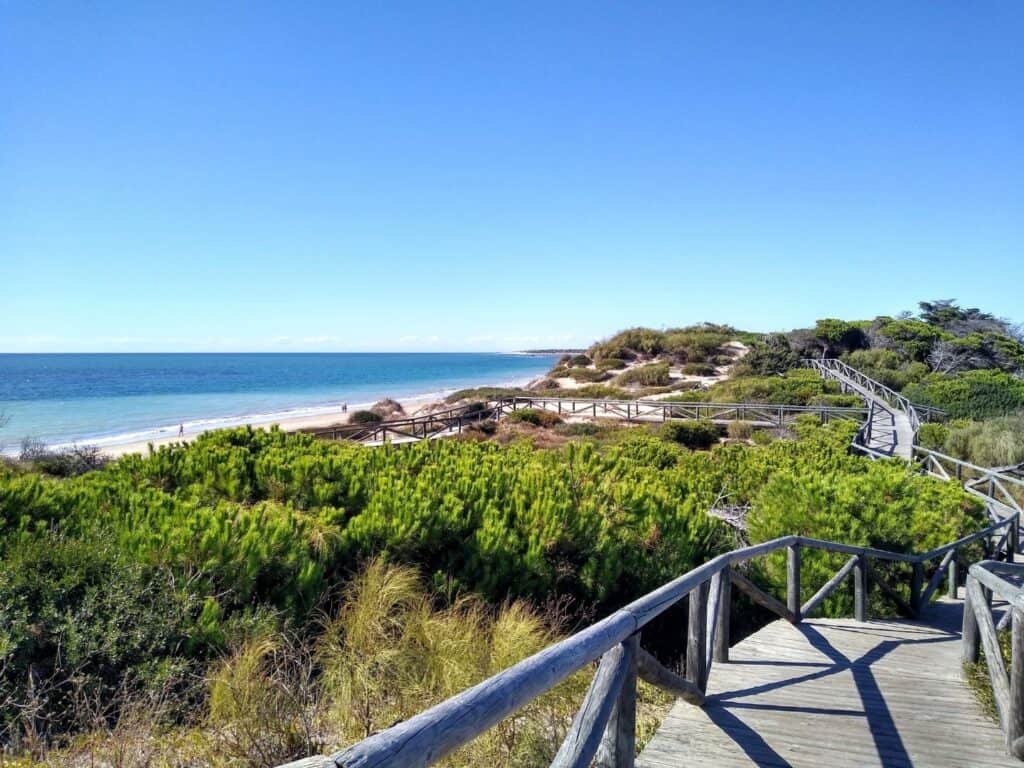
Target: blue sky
(417, 175)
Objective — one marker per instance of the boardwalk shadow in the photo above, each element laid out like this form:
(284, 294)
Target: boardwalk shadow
(725, 709)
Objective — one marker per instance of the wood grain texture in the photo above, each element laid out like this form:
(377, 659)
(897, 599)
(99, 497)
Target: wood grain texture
(837, 693)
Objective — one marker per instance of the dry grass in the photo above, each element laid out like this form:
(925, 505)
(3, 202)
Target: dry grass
(387, 653)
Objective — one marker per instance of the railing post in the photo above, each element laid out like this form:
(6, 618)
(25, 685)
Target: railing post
(916, 580)
(1013, 540)
(952, 577)
(860, 589)
(970, 635)
(618, 745)
(720, 650)
(1015, 716)
(696, 636)
(793, 581)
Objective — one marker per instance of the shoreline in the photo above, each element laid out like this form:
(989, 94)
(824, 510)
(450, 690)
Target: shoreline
(291, 420)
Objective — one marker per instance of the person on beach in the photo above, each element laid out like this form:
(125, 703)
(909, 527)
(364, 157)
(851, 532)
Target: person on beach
(344, 407)
(181, 430)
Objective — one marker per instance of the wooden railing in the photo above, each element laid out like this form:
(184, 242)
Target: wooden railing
(1002, 580)
(452, 420)
(455, 420)
(837, 369)
(760, 414)
(604, 727)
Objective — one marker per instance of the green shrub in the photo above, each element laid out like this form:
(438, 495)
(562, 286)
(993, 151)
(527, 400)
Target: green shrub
(537, 417)
(587, 375)
(700, 434)
(994, 443)
(796, 387)
(723, 360)
(611, 364)
(762, 437)
(978, 394)
(365, 417)
(651, 375)
(598, 392)
(933, 436)
(837, 401)
(740, 430)
(484, 393)
(699, 369)
(579, 361)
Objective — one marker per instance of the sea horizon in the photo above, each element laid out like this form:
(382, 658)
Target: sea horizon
(110, 399)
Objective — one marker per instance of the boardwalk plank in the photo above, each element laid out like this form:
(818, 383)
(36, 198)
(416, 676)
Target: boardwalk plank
(838, 693)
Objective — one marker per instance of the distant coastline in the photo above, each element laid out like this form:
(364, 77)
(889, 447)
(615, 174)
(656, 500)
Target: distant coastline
(123, 402)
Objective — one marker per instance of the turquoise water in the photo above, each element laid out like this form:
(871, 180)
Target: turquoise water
(107, 399)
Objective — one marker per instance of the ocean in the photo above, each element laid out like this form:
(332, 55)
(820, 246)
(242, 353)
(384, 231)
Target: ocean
(112, 399)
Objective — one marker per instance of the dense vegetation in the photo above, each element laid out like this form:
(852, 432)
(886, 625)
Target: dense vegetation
(257, 595)
(153, 573)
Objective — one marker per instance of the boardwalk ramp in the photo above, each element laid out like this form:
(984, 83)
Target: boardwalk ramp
(836, 693)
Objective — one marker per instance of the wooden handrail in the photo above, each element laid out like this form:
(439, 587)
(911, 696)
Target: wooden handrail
(979, 629)
(436, 732)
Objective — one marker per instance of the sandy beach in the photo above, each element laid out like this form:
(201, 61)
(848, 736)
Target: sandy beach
(410, 405)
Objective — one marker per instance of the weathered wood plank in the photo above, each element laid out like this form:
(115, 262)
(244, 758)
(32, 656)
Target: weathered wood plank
(793, 581)
(762, 598)
(993, 655)
(618, 747)
(588, 726)
(657, 674)
(828, 587)
(696, 636)
(839, 693)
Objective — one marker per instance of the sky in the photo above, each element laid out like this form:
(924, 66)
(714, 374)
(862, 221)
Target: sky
(491, 176)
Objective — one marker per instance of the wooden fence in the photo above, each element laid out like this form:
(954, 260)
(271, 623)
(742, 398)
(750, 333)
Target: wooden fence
(1004, 581)
(604, 727)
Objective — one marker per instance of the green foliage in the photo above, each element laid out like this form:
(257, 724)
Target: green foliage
(770, 356)
(915, 338)
(700, 434)
(484, 393)
(699, 369)
(611, 364)
(740, 430)
(588, 375)
(887, 367)
(994, 443)
(651, 375)
(245, 529)
(537, 418)
(973, 394)
(797, 387)
(579, 361)
(933, 436)
(839, 336)
(365, 417)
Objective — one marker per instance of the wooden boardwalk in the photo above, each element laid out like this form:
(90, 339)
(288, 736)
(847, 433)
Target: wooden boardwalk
(836, 693)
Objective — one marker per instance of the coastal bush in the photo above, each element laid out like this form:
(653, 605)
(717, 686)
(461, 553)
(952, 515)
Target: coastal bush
(740, 430)
(651, 375)
(796, 387)
(700, 434)
(699, 369)
(770, 356)
(209, 546)
(933, 436)
(979, 394)
(365, 417)
(537, 417)
(993, 443)
(579, 361)
(483, 393)
(587, 375)
(611, 364)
